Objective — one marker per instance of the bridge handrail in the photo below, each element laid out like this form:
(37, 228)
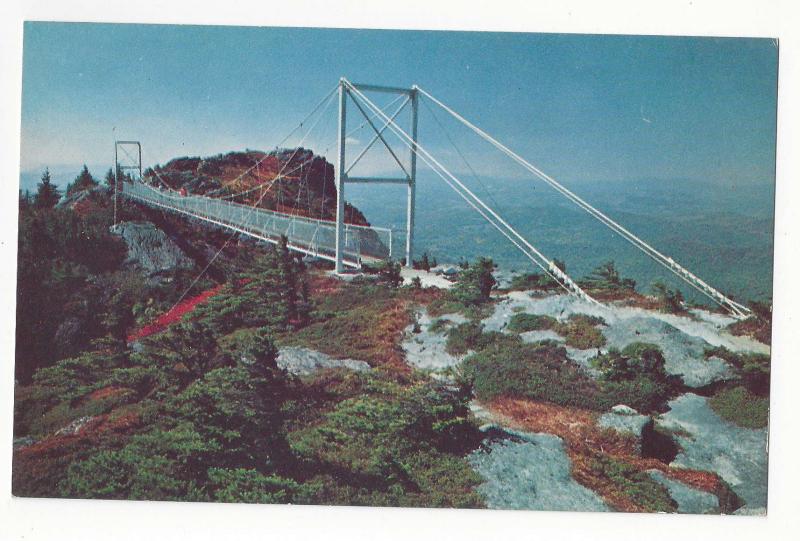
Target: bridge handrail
(217, 200)
(214, 211)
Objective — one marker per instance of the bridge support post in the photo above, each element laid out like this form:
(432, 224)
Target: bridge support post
(412, 180)
(133, 163)
(116, 179)
(340, 178)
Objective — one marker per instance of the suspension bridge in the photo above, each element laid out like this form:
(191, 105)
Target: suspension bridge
(350, 245)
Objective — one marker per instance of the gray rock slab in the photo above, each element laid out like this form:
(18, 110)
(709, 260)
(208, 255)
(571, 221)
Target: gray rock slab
(426, 349)
(738, 455)
(150, 249)
(530, 471)
(303, 361)
(625, 423)
(689, 499)
(538, 336)
(704, 325)
(583, 358)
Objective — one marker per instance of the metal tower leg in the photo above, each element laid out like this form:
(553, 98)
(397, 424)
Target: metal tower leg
(340, 175)
(412, 181)
(116, 180)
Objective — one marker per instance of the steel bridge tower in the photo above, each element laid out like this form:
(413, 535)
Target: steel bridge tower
(409, 176)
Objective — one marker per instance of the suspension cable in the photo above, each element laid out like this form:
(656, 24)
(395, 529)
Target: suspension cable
(691, 279)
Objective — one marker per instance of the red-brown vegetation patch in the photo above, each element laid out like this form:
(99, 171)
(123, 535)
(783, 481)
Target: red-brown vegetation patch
(122, 420)
(174, 315)
(56, 445)
(320, 284)
(626, 297)
(37, 467)
(111, 391)
(424, 295)
(389, 330)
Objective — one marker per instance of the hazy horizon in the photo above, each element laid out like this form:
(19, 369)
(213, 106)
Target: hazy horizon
(580, 107)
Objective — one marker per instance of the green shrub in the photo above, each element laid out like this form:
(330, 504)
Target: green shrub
(503, 365)
(394, 444)
(534, 280)
(606, 277)
(474, 312)
(240, 410)
(636, 375)
(579, 331)
(641, 393)
(586, 319)
(250, 486)
(475, 283)
(469, 336)
(522, 322)
(637, 359)
(424, 263)
(741, 407)
(507, 366)
(670, 300)
(439, 325)
(159, 465)
(389, 273)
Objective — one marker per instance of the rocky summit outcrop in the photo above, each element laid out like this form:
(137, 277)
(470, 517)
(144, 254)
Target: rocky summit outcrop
(150, 249)
(288, 176)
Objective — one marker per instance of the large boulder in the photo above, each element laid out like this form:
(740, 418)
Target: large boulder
(150, 249)
(303, 361)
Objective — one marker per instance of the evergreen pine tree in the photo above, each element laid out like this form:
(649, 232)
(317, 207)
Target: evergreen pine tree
(47, 194)
(83, 181)
(110, 178)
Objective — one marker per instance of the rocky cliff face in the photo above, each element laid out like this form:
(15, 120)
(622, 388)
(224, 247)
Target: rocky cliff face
(150, 249)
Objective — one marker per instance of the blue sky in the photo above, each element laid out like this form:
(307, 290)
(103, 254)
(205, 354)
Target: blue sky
(583, 108)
